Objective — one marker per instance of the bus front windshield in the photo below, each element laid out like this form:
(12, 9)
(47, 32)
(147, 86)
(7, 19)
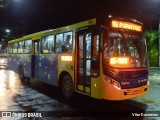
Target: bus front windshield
(125, 50)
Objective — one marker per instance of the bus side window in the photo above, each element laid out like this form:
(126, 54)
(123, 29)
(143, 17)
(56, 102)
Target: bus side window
(95, 55)
(10, 48)
(36, 47)
(59, 42)
(68, 41)
(20, 47)
(15, 46)
(47, 44)
(106, 47)
(95, 46)
(28, 46)
(64, 42)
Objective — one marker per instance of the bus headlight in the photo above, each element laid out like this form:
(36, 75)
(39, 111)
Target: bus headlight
(109, 81)
(116, 85)
(112, 82)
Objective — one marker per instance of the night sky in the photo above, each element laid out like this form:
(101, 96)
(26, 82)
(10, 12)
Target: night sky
(39, 15)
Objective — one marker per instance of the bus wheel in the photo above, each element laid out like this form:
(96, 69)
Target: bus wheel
(67, 87)
(21, 73)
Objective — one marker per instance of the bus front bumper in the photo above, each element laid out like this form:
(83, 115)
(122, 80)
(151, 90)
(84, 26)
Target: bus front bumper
(113, 93)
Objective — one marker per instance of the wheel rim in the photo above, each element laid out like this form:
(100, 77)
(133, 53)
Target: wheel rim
(67, 88)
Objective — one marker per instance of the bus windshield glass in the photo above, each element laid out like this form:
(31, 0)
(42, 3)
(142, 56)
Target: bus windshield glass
(125, 50)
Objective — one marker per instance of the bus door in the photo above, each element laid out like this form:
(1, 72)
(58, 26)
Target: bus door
(85, 63)
(35, 59)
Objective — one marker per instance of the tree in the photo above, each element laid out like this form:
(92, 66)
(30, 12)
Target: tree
(1, 4)
(152, 46)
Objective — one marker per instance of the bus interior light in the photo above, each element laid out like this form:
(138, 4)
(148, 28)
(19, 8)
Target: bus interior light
(66, 58)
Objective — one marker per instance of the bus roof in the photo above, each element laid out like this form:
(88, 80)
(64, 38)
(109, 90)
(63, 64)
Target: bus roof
(38, 35)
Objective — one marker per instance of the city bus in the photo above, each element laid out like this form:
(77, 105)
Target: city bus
(101, 58)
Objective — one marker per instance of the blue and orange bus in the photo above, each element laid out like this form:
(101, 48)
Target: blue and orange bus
(101, 58)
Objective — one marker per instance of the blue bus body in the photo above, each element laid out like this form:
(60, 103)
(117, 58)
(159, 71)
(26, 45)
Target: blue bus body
(46, 66)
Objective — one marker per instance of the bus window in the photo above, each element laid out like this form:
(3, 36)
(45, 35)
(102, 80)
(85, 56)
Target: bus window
(10, 48)
(28, 46)
(88, 53)
(95, 46)
(126, 50)
(95, 60)
(36, 47)
(68, 41)
(63, 42)
(47, 44)
(20, 47)
(59, 43)
(15, 46)
(88, 45)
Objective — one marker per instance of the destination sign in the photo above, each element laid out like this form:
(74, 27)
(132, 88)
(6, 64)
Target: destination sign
(126, 25)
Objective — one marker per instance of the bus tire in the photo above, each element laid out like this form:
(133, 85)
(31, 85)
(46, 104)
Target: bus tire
(21, 73)
(67, 87)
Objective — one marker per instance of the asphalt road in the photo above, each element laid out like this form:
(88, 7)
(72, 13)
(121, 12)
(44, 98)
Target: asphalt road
(21, 99)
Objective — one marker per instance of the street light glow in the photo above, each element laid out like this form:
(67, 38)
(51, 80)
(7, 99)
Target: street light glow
(8, 30)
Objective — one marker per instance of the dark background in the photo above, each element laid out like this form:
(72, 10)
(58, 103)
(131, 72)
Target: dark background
(29, 16)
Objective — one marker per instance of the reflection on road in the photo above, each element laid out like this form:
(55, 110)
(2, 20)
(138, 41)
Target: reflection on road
(2, 82)
(12, 80)
(7, 89)
(36, 96)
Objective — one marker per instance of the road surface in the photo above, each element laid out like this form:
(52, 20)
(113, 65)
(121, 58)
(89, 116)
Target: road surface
(21, 99)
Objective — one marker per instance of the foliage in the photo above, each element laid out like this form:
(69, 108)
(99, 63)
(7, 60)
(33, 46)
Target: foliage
(152, 46)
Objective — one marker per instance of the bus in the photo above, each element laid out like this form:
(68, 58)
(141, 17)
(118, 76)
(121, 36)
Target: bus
(101, 58)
